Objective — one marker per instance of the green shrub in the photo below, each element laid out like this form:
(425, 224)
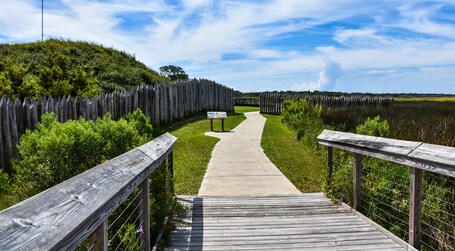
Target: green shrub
(305, 119)
(58, 151)
(140, 122)
(4, 181)
(131, 240)
(341, 185)
(374, 127)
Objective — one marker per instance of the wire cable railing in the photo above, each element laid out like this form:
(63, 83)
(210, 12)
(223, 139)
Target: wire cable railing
(406, 187)
(109, 207)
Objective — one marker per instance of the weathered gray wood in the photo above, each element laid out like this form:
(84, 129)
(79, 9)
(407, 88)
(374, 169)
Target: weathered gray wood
(170, 166)
(415, 207)
(329, 165)
(13, 129)
(418, 156)
(410, 153)
(272, 102)
(260, 224)
(19, 117)
(34, 119)
(60, 104)
(65, 215)
(164, 103)
(6, 132)
(398, 147)
(144, 216)
(357, 185)
(98, 241)
(2, 147)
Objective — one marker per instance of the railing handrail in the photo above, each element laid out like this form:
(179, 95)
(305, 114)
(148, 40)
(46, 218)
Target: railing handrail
(434, 158)
(65, 215)
(418, 156)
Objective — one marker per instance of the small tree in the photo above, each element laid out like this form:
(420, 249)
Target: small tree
(173, 72)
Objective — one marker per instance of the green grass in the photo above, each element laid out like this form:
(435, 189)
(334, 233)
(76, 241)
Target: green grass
(428, 99)
(302, 167)
(193, 149)
(243, 109)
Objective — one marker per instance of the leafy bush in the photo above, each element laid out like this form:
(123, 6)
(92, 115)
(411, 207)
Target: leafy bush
(130, 238)
(374, 127)
(58, 151)
(341, 185)
(140, 122)
(305, 119)
(4, 181)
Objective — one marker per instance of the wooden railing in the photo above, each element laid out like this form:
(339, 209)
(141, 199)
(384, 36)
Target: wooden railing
(76, 210)
(417, 156)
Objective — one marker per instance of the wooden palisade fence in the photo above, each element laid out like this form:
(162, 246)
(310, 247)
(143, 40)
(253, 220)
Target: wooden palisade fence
(76, 210)
(418, 156)
(246, 101)
(272, 102)
(163, 103)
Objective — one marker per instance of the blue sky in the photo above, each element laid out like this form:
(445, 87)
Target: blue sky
(252, 45)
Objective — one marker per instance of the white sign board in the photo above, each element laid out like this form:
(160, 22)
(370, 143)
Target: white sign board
(216, 115)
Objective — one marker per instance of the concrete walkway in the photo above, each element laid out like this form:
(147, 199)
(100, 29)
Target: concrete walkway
(239, 167)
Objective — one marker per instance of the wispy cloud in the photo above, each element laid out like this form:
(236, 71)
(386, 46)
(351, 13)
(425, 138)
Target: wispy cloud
(265, 45)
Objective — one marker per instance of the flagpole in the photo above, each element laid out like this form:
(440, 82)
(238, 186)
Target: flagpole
(42, 20)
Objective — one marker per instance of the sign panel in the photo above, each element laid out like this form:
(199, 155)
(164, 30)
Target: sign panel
(216, 115)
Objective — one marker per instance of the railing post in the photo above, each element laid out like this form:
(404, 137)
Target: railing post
(415, 207)
(329, 165)
(98, 241)
(357, 181)
(145, 214)
(170, 166)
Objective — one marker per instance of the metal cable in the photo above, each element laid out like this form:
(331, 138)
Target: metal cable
(396, 209)
(390, 190)
(391, 224)
(120, 228)
(389, 214)
(437, 241)
(127, 207)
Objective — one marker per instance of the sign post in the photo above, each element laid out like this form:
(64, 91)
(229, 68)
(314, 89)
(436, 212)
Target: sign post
(216, 115)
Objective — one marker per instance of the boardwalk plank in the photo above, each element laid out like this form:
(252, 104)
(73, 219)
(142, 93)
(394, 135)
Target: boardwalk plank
(305, 222)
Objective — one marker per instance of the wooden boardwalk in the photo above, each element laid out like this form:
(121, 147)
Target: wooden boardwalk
(303, 222)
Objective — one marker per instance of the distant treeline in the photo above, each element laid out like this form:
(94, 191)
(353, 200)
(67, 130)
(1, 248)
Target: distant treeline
(339, 94)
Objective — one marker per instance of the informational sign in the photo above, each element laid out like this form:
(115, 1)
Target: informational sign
(216, 115)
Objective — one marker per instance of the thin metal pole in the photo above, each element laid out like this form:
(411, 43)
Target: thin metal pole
(42, 20)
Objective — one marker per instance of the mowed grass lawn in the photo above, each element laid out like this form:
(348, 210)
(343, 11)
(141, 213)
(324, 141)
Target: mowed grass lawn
(193, 149)
(302, 167)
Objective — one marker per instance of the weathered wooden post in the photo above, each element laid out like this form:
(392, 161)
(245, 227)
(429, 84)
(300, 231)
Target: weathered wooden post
(170, 166)
(329, 164)
(144, 210)
(415, 207)
(98, 241)
(357, 181)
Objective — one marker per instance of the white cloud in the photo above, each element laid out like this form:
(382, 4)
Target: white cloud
(175, 36)
(327, 79)
(364, 37)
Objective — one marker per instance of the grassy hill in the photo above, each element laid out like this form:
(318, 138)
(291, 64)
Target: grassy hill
(57, 67)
